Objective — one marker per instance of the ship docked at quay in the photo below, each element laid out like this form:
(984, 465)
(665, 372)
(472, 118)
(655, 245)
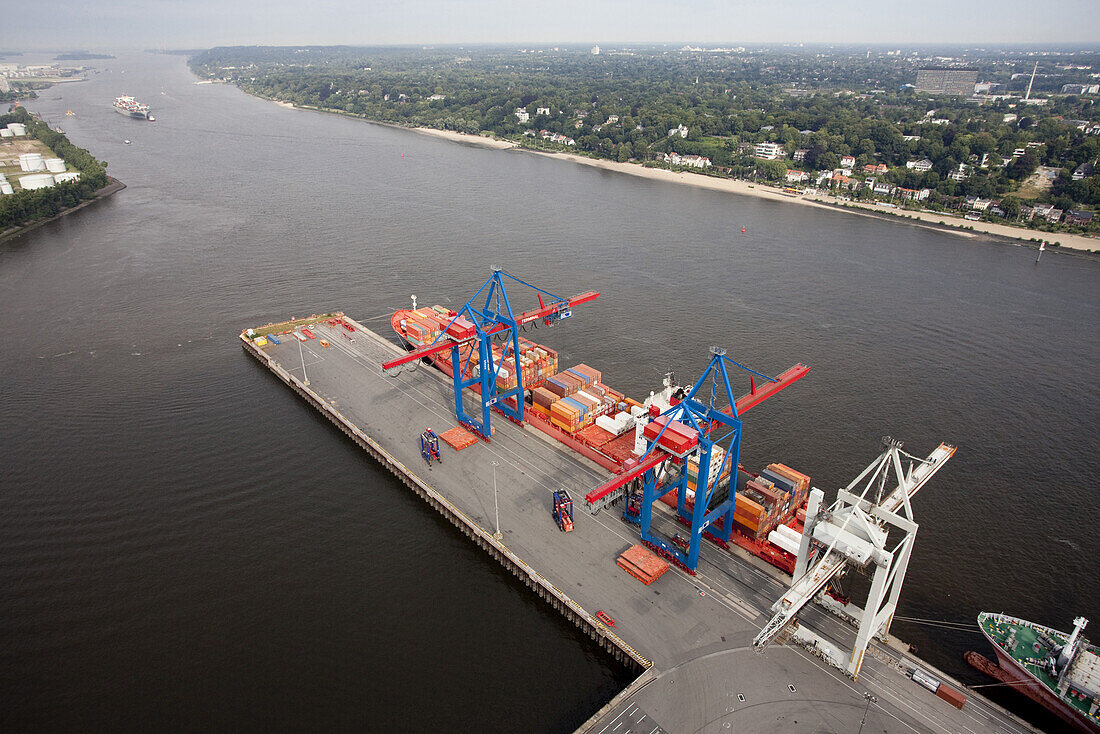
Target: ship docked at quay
(1059, 671)
(573, 406)
(129, 106)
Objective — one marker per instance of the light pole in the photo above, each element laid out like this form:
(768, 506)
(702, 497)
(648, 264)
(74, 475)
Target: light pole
(303, 355)
(496, 504)
(870, 700)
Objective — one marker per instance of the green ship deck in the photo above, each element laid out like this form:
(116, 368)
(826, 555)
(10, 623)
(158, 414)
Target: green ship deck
(1029, 649)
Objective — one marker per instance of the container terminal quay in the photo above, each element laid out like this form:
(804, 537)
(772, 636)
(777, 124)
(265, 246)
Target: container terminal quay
(646, 563)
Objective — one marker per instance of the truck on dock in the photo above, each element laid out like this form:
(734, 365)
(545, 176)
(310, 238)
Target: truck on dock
(563, 510)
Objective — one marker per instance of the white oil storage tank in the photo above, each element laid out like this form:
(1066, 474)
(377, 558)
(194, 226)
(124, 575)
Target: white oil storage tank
(5, 188)
(68, 176)
(55, 165)
(31, 162)
(6, 133)
(17, 128)
(36, 181)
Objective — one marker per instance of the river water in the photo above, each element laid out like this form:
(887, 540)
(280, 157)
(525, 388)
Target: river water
(185, 544)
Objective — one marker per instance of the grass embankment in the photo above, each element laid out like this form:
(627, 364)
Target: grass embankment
(282, 326)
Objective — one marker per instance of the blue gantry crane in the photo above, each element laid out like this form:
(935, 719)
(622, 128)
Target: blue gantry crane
(693, 429)
(483, 321)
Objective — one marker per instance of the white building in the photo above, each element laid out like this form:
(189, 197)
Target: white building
(848, 161)
(542, 111)
(596, 50)
(612, 119)
(678, 130)
(794, 176)
(522, 115)
(922, 165)
(17, 128)
(768, 151)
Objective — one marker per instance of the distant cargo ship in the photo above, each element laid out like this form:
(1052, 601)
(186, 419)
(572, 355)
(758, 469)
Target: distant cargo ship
(576, 408)
(126, 105)
(1060, 671)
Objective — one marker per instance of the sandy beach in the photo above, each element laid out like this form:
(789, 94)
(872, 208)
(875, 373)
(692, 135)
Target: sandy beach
(466, 138)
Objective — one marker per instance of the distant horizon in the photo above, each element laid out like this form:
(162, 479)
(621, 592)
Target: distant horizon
(1031, 46)
(192, 24)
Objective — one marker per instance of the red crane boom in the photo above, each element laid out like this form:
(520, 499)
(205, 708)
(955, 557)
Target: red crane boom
(524, 318)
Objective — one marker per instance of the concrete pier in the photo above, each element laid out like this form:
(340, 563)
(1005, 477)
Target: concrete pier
(688, 637)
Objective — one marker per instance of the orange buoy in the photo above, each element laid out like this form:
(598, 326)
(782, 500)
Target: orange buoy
(742, 230)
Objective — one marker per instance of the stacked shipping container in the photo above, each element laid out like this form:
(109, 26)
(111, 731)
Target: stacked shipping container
(769, 499)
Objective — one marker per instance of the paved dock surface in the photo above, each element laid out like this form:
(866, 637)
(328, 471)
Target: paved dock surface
(697, 630)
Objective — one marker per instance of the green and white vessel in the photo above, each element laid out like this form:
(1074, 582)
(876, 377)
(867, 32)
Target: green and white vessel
(1061, 671)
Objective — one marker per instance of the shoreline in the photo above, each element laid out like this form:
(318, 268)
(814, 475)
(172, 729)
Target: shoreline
(113, 187)
(941, 222)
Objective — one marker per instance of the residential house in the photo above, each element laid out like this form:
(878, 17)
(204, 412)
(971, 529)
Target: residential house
(978, 204)
(921, 166)
(794, 176)
(612, 119)
(1079, 218)
(542, 110)
(883, 188)
(678, 130)
(875, 168)
(910, 138)
(694, 161)
(1047, 212)
(522, 115)
(960, 174)
(769, 151)
(800, 154)
(914, 194)
(848, 161)
(432, 98)
(845, 182)
(1083, 171)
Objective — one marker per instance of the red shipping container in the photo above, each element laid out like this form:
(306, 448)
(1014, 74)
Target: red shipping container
(461, 328)
(949, 694)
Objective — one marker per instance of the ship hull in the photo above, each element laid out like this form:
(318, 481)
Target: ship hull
(134, 114)
(1039, 692)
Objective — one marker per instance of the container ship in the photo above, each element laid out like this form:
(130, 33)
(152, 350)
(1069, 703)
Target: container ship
(575, 407)
(130, 107)
(1060, 671)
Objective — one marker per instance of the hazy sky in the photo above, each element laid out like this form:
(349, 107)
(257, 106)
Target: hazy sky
(120, 24)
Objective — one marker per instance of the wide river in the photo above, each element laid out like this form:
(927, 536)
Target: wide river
(185, 544)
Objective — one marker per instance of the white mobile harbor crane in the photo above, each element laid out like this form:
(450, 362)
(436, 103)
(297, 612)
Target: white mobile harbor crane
(853, 533)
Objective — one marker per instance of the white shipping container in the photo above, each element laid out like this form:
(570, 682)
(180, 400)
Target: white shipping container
(778, 539)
